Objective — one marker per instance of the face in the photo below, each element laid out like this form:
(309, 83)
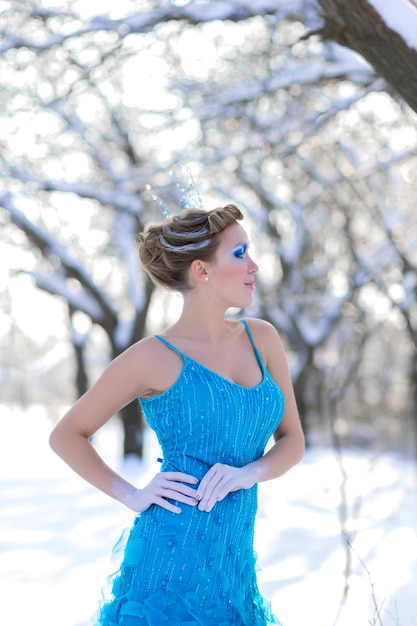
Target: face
(231, 274)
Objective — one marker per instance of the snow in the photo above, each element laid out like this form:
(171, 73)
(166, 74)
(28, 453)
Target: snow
(57, 533)
(401, 17)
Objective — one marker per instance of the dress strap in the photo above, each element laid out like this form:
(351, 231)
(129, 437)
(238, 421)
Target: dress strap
(169, 345)
(175, 349)
(258, 356)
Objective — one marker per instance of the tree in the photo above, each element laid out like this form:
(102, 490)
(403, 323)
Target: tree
(265, 111)
(384, 36)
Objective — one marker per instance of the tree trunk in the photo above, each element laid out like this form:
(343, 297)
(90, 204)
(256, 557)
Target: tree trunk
(302, 405)
(131, 415)
(356, 25)
(78, 341)
(81, 379)
(305, 377)
(413, 380)
(133, 425)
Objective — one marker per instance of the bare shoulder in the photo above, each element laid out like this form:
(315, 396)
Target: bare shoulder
(130, 369)
(262, 331)
(261, 328)
(158, 366)
(145, 355)
(136, 353)
(145, 348)
(266, 338)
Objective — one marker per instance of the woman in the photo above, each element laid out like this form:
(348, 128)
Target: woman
(213, 390)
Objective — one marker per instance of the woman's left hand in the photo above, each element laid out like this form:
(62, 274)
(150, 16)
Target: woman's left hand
(219, 481)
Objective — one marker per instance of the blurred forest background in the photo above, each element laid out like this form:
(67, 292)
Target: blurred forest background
(301, 114)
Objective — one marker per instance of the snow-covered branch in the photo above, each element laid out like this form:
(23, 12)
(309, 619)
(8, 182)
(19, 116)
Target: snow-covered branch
(384, 33)
(301, 73)
(125, 236)
(123, 201)
(145, 21)
(47, 244)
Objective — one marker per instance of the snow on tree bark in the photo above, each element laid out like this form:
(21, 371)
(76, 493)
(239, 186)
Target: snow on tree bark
(358, 25)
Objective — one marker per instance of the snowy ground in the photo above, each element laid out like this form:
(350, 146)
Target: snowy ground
(57, 534)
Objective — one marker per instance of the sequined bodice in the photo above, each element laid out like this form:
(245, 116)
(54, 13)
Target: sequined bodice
(204, 418)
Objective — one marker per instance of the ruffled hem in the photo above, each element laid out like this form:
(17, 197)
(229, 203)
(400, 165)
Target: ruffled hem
(122, 605)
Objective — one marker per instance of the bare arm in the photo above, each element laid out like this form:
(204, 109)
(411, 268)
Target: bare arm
(115, 388)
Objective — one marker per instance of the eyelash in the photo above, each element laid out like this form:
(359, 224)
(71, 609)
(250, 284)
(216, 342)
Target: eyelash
(240, 252)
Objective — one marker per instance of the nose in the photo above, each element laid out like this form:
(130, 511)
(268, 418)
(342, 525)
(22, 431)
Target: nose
(252, 267)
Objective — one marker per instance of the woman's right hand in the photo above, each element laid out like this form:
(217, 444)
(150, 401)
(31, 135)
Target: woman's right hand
(163, 487)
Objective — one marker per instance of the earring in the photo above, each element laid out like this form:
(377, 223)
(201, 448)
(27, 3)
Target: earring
(206, 278)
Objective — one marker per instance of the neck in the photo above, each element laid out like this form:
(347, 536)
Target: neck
(203, 320)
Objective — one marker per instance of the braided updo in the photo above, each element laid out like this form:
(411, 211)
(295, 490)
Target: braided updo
(167, 249)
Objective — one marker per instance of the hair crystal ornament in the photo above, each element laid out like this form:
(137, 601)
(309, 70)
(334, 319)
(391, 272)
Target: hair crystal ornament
(189, 199)
(164, 209)
(189, 195)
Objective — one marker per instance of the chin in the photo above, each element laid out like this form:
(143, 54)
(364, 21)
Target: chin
(241, 304)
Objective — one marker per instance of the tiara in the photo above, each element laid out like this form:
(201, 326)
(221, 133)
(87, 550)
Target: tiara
(189, 195)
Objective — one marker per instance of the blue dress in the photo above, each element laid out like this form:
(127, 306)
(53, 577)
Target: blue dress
(198, 568)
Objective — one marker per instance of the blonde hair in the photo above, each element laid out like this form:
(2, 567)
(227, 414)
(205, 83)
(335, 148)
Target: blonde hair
(167, 249)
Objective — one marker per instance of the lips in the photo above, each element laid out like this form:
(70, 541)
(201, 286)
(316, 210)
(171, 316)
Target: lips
(251, 285)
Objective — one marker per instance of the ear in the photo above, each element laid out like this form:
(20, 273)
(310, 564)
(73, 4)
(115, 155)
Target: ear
(198, 271)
